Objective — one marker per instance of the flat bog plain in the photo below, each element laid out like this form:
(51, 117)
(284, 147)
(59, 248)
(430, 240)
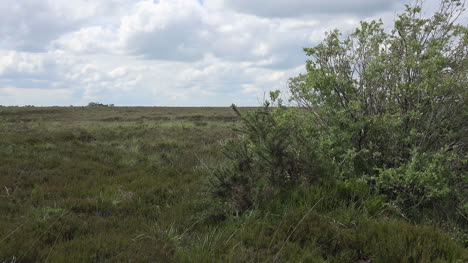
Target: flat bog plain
(131, 184)
(103, 183)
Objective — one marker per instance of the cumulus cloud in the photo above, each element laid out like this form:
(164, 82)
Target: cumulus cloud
(24, 67)
(92, 39)
(162, 52)
(168, 29)
(185, 30)
(30, 25)
(85, 77)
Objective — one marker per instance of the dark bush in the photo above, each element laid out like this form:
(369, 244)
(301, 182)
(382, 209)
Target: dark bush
(269, 155)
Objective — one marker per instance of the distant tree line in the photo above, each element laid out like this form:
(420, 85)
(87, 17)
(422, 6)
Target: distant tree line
(97, 104)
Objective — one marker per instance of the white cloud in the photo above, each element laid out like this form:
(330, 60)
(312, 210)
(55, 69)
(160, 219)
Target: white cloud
(184, 30)
(168, 29)
(93, 39)
(30, 25)
(162, 52)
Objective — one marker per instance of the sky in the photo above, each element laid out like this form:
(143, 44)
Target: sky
(164, 52)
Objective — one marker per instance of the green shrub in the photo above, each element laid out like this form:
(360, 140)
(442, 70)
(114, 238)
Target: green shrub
(269, 155)
(387, 107)
(428, 180)
(391, 107)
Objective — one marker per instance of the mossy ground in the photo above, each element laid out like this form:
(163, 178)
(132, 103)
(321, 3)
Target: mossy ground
(98, 184)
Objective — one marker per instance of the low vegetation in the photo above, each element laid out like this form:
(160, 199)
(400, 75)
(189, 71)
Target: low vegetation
(88, 184)
(81, 185)
(368, 164)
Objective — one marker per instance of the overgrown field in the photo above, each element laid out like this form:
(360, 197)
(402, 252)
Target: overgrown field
(111, 184)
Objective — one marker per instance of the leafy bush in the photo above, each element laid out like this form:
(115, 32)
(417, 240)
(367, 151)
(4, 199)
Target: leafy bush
(392, 106)
(428, 180)
(383, 95)
(387, 107)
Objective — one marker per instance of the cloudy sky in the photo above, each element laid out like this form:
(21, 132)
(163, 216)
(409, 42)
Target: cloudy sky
(164, 52)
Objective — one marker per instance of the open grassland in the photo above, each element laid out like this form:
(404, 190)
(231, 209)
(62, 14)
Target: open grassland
(130, 184)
